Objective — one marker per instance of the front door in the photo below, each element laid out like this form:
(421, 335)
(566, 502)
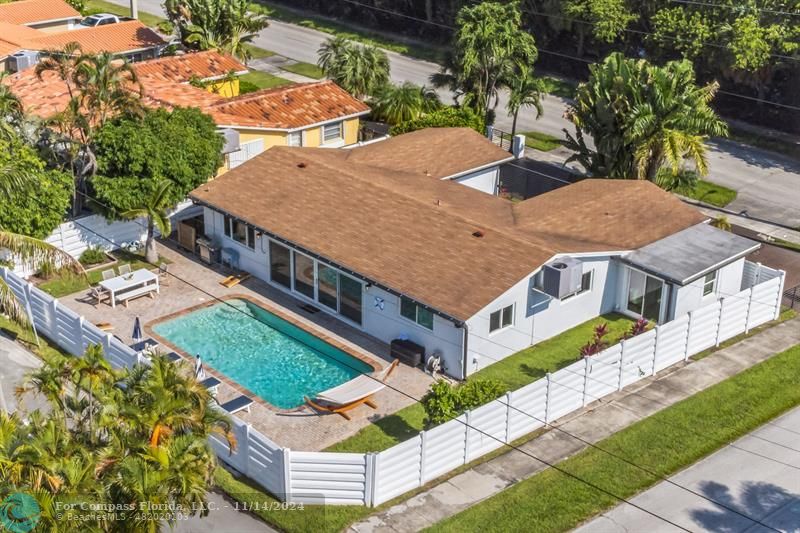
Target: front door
(644, 295)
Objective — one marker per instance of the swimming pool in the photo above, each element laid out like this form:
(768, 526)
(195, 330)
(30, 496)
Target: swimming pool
(270, 356)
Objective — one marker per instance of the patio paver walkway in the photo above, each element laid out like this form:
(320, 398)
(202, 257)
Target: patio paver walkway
(592, 424)
(300, 429)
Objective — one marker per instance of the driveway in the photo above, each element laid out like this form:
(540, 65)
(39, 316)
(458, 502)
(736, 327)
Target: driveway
(766, 489)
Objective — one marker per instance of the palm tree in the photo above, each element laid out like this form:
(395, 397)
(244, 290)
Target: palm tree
(155, 209)
(99, 86)
(398, 103)
(525, 90)
(359, 69)
(92, 371)
(11, 111)
(488, 46)
(643, 118)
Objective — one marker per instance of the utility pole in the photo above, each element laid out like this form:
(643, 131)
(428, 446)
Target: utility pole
(135, 9)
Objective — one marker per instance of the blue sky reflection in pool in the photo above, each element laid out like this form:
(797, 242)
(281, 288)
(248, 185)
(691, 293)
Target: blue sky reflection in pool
(273, 358)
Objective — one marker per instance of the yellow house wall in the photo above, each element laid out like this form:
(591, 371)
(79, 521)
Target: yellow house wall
(312, 136)
(226, 89)
(351, 131)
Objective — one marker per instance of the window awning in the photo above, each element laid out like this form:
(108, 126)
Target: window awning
(686, 256)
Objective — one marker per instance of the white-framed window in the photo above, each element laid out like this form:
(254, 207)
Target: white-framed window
(502, 318)
(240, 232)
(332, 132)
(416, 313)
(709, 283)
(295, 138)
(586, 284)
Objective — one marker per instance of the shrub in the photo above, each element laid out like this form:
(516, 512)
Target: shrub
(166, 27)
(247, 87)
(445, 401)
(94, 255)
(8, 263)
(449, 117)
(638, 327)
(598, 343)
(47, 269)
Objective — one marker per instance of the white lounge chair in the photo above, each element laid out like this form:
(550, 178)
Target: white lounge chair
(238, 404)
(350, 395)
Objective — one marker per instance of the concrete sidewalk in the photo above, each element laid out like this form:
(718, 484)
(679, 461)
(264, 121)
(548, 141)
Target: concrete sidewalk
(765, 487)
(596, 422)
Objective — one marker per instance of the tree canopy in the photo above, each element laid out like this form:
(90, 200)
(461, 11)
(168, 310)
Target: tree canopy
(489, 49)
(39, 212)
(359, 69)
(228, 25)
(399, 103)
(642, 118)
(136, 153)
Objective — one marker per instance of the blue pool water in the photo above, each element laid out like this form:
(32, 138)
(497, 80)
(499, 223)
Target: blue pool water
(273, 358)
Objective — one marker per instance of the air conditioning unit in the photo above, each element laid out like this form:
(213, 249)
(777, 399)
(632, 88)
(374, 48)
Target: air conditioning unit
(22, 60)
(562, 277)
(231, 138)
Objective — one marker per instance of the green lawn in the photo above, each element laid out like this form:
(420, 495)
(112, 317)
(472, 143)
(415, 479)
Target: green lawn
(710, 193)
(514, 372)
(258, 53)
(101, 6)
(664, 443)
(67, 283)
(306, 69)
(541, 141)
(256, 80)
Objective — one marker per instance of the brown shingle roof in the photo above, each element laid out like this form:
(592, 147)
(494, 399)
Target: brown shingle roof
(415, 234)
(116, 38)
(180, 69)
(420, 152)
(295, 106)
(32, 11)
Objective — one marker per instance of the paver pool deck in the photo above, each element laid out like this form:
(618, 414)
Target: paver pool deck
(299, 429)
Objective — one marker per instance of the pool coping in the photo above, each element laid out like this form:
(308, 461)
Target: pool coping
(281, 313)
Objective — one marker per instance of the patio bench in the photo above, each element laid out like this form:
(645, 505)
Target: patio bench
(135, 293)
(212, 384)
(238, 404)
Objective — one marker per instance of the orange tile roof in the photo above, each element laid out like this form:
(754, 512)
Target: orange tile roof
(32, 11)
(295, 106)
(121, 37)
(415, 234)
(42, 98)
(180, 69)
(14, 37)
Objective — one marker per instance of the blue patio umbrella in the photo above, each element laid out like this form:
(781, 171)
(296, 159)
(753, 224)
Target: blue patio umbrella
(137, 331)
(199, 371)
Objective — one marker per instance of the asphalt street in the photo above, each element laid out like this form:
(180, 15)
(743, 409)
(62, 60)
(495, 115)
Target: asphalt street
(749, 493)
(768, 184)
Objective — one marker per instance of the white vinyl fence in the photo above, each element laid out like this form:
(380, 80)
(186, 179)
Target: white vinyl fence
(374, 478)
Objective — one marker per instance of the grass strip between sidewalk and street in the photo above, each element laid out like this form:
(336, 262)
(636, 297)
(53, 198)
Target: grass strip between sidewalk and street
(308, 70)
(538, 140)
(663, 443)
(709, 193)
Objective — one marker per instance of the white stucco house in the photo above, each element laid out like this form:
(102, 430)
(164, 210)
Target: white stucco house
(388, 239)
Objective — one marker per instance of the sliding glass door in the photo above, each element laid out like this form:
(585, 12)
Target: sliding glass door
(644, 295)
(304, 275)
(328, 286)
(350, 298)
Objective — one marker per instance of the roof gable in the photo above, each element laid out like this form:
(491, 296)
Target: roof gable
(32, 11)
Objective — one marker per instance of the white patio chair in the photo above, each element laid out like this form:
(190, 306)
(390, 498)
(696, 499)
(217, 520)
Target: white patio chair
(124, 269)
(108, 274)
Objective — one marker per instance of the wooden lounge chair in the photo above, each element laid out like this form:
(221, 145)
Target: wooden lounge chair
(237, 404)
(104, 326)
(234, 279)
(350, 395)
(173, 356)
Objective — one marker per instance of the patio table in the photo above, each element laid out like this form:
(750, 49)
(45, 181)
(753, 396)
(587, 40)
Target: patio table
(120, 285)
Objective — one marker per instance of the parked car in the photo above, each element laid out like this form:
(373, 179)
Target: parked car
(102, 19)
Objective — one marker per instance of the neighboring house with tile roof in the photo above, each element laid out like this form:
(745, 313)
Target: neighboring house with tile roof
(129, 39)
(395, 249)
(44, 15)
(306, 114)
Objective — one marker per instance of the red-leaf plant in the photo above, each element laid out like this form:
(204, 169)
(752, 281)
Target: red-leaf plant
(598, 343)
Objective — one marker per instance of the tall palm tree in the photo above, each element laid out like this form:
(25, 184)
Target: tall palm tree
(525, 90)
(642, 118)
(359, 69)
(398, 103)
(11, 111)
(107, 86)
(155, 209)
